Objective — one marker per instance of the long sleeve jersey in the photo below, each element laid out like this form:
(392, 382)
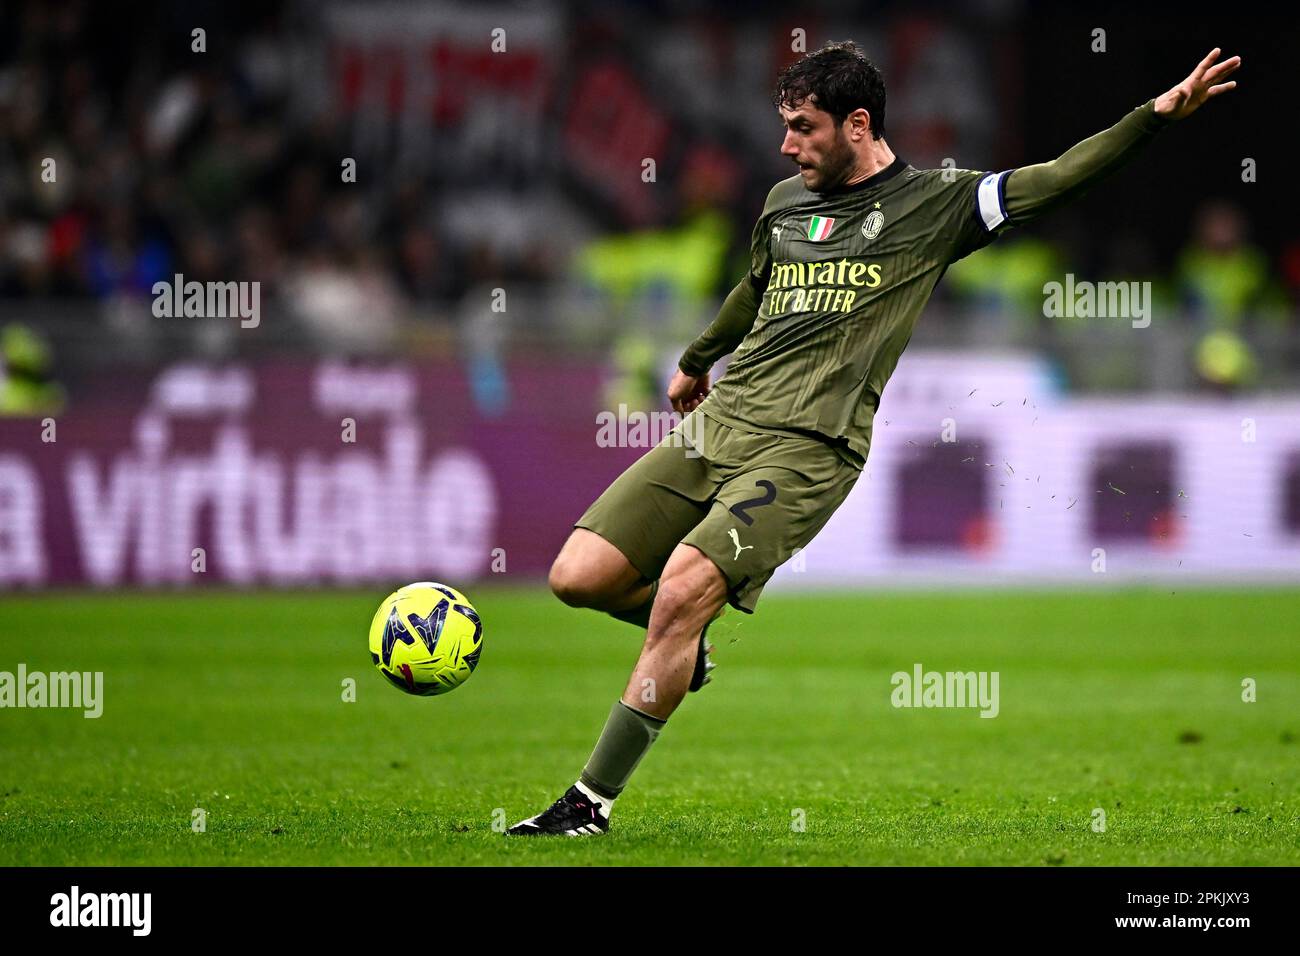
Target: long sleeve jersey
(838, 280)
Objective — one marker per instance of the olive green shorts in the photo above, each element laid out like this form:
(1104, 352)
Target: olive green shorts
(747, 500)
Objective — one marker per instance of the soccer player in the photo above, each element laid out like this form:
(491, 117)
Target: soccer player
(843, 259)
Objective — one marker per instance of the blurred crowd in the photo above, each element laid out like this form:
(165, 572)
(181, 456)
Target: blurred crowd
(492, 200)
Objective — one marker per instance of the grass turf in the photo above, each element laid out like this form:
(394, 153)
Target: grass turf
(1123, 700)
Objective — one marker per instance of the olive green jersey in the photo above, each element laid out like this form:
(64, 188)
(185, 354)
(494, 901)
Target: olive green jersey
(837, 281)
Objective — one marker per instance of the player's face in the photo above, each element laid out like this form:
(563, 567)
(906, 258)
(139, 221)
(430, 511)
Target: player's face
(818, 146)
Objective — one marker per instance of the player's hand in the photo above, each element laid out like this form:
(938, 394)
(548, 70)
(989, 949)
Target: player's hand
(685, 392)
(1205, 82)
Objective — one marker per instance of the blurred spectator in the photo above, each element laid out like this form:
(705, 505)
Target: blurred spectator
(1226, 285)
(26, 383)
(1222, 277)
(524, 171)
(660, 285)
(1007, 277)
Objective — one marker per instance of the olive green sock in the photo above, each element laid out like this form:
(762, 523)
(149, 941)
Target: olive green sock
(627, 736)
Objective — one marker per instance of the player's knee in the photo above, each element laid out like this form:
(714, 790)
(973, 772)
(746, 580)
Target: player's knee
(572, 585)
(673, 599)
(693, 593)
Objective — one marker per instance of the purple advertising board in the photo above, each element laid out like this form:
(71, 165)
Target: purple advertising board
(303, 474)
(299, 474)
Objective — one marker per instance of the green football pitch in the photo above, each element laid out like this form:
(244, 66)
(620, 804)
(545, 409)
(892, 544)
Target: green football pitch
(1122, 736)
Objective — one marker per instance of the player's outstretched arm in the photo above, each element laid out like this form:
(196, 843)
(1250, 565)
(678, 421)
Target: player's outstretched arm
(1205, 82)
(1031, 191)
(690, 385)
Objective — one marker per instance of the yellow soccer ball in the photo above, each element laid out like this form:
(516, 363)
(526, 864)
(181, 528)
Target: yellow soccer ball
(426, 638)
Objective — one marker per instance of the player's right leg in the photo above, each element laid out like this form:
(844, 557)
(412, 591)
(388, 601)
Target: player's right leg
(591, 572)
(618, 548)
(777, 494)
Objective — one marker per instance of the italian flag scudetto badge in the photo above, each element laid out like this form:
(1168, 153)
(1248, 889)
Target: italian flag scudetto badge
(819, 228)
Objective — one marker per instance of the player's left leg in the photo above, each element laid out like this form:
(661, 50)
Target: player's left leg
(591, 572)
(774, 494)
(692, 590)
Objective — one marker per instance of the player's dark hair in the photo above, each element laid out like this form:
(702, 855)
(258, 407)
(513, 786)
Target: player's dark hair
(840, 79)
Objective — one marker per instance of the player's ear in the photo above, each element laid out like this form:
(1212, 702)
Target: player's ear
(859, 123)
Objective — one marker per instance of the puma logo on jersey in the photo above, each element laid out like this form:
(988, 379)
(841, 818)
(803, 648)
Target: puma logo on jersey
(735, 539)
